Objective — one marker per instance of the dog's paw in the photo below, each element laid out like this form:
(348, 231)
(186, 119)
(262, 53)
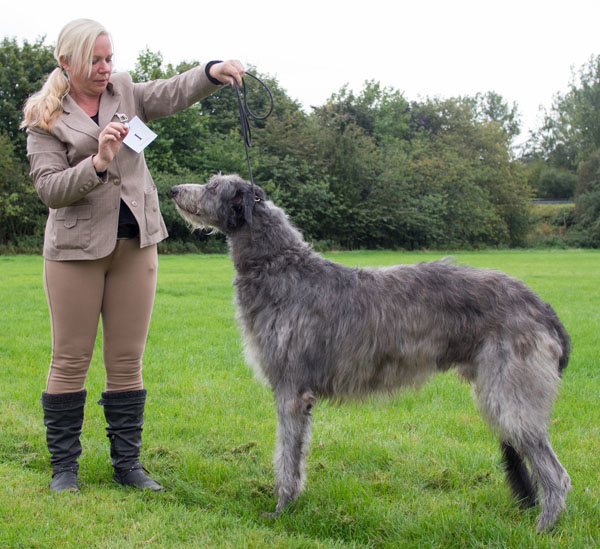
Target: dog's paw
(269, 515)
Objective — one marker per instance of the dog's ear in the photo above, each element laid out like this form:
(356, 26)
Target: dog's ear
(249, 202)
(242, 208)
(259, 194)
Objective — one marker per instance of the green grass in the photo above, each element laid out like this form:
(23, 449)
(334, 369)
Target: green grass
(418, 469)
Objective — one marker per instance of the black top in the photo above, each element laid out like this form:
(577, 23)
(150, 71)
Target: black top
(128, 226)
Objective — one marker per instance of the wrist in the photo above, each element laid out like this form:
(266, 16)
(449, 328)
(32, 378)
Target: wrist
(99, 165)
(207, 68)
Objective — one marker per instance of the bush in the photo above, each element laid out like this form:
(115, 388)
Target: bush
(587, 200)
(555, 184)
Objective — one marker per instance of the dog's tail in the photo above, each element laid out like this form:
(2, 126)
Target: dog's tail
(565, 342)
(518, 476)
(557, 329)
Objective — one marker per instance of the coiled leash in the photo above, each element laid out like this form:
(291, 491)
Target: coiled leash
(245, 115)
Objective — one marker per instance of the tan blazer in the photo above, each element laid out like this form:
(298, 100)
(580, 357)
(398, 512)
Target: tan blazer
(84, 208)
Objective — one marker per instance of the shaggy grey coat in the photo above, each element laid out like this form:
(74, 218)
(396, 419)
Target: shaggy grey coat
(314, 328)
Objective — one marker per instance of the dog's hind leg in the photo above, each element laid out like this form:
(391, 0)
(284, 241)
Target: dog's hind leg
(515, 396)
(551, 477)
(293, 437)
(518, 476)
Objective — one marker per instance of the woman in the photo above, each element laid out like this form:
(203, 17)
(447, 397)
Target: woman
(100, 242)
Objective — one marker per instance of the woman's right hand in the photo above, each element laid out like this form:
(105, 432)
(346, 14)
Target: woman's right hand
(228, 71)
(109, 143)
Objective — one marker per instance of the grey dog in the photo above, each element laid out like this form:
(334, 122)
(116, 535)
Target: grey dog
(314, 328)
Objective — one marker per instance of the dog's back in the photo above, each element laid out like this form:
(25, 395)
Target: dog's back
(353, 330)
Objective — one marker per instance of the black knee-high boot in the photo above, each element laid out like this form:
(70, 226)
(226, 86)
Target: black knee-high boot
(63, 418)
(124, 413)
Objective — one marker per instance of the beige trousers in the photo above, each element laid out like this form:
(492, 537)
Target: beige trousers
(119, 288)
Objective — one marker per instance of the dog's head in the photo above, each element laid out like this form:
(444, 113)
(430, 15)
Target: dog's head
(225, 203)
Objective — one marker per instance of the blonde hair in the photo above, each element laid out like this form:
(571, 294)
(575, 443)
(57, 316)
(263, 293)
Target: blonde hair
(75, 45)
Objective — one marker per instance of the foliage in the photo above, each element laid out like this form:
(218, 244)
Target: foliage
(571, 129)
(448, 182)
(553, 225)
(367, 169)
(183, 135)
(587, 200)
(491, 106)
(23, 71)
(549, 182)
(568, 138)
(21, 212)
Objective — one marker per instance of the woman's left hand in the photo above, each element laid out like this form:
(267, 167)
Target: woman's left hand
(228, 71)
(109, 142)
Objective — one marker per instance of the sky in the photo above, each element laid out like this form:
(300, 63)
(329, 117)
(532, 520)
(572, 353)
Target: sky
(525, 50)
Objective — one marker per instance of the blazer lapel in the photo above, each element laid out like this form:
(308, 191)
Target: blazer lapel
(109, 105)
(74, 117)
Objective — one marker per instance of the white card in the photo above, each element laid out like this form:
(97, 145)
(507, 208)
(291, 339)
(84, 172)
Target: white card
(139, 136)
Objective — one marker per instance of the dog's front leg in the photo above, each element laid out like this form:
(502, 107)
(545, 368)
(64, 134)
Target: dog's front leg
(293, 436)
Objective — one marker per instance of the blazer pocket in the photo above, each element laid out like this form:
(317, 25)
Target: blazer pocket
(152, 210)
(73, 227)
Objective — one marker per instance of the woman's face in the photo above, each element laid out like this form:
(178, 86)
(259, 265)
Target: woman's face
(102, 62)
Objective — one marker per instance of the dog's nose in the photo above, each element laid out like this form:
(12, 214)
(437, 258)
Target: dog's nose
(172, 192)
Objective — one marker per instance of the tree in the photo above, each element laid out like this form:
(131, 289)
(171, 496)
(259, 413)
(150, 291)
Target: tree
(570, 133)
(587, 200)
(482, 149)
(23, 71)
(382, 113)
(286, 163)
(431, 196)
(491, 106)
(350, 158)
(22, 214)
(182, 136)
(366, 169)
(549, 182)
(437, 173)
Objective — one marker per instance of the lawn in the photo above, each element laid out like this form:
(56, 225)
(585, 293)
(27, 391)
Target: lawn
(418, 469)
